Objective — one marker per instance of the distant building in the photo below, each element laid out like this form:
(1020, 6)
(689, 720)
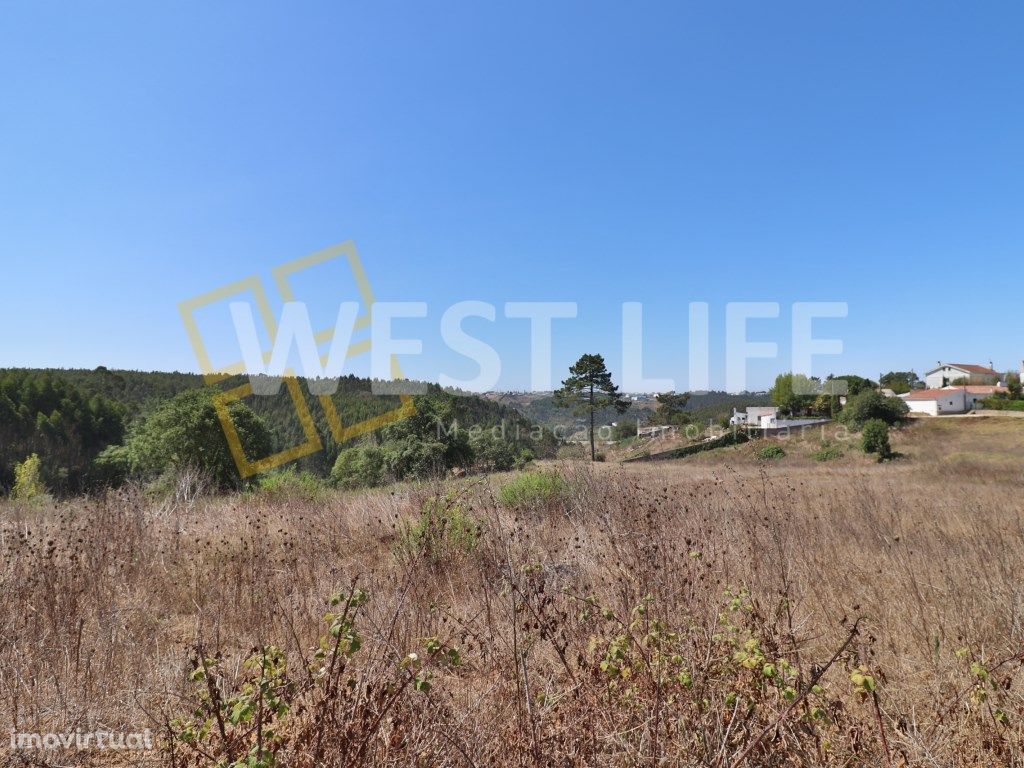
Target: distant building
(937, 401)
(953, 399)
(947, 373)
(753, 415)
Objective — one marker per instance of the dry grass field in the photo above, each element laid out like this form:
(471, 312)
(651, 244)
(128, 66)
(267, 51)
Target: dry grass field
(716, 611)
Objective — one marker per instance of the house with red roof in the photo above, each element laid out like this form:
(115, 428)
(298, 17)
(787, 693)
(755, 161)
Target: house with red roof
(953, 399)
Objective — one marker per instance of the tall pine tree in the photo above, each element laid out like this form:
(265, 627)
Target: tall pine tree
(588, 389)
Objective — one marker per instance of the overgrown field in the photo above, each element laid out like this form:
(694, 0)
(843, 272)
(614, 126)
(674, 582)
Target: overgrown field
(718, 611)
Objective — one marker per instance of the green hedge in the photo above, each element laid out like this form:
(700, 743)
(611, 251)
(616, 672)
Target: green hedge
(1001, 404)
(730, 438)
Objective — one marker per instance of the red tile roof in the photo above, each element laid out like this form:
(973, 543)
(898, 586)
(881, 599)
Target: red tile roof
(972, 389)
(931, 394)
(981, 369)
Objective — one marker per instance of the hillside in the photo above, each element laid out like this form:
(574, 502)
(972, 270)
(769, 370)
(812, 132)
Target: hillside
(48, 411)
(989, 445)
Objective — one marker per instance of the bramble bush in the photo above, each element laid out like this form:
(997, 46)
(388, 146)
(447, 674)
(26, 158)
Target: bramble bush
(288, 482)
(307, 712)
(534, 489)
(875, 438)
(828, 452)
(770, 452)
(444, 529)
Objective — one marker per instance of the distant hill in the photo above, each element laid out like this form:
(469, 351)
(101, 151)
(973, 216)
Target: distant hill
(540, 408)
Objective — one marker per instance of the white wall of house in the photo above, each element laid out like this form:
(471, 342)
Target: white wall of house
(754, 413)
(955, 402)
(973, 399)
(947, 374)
(943, 376)
(950, 401)
(928, 407)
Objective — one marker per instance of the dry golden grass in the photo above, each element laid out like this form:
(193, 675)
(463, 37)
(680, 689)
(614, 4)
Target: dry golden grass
(627, 623)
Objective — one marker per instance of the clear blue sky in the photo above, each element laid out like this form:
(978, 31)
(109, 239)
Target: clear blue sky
(597, 152)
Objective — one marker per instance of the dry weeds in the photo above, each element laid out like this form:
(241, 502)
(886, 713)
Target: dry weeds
(665, 614)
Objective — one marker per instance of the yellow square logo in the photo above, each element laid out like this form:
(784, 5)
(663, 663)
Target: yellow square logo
(341, 432)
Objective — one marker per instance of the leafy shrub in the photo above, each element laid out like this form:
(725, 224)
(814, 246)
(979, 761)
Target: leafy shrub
(361, 466)
(112, 466)
(288, 482)
(600, 456)
(625, 429)
(533, 489)
(525, 457)
(1002, 404)
(770, 451)
(868, 405)
(493, 453)
(28, 482)
(444, 528)
(271, 710)
(186, 431)
(428, 442)
(828, 453)
(875, 438)
(643, 660)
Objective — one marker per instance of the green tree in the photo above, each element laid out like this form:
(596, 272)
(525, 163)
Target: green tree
(624, 429)
(492, 453)
(429, 441)
(60, 422)
(28, 482)
(854, 384)
(900, 382)
(794, 393)
(1013, 384)
(671, 409)
(870, 405)
(588, 389)
(359, 466)
(186, 431)
(875, 438)
(825, 405)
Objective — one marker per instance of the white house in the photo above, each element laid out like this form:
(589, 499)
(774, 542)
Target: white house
(950, 399)
(935, 402)
(754, 415)
(947, 373)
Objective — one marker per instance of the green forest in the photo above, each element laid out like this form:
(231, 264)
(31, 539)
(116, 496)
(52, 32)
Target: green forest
(96, 428)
